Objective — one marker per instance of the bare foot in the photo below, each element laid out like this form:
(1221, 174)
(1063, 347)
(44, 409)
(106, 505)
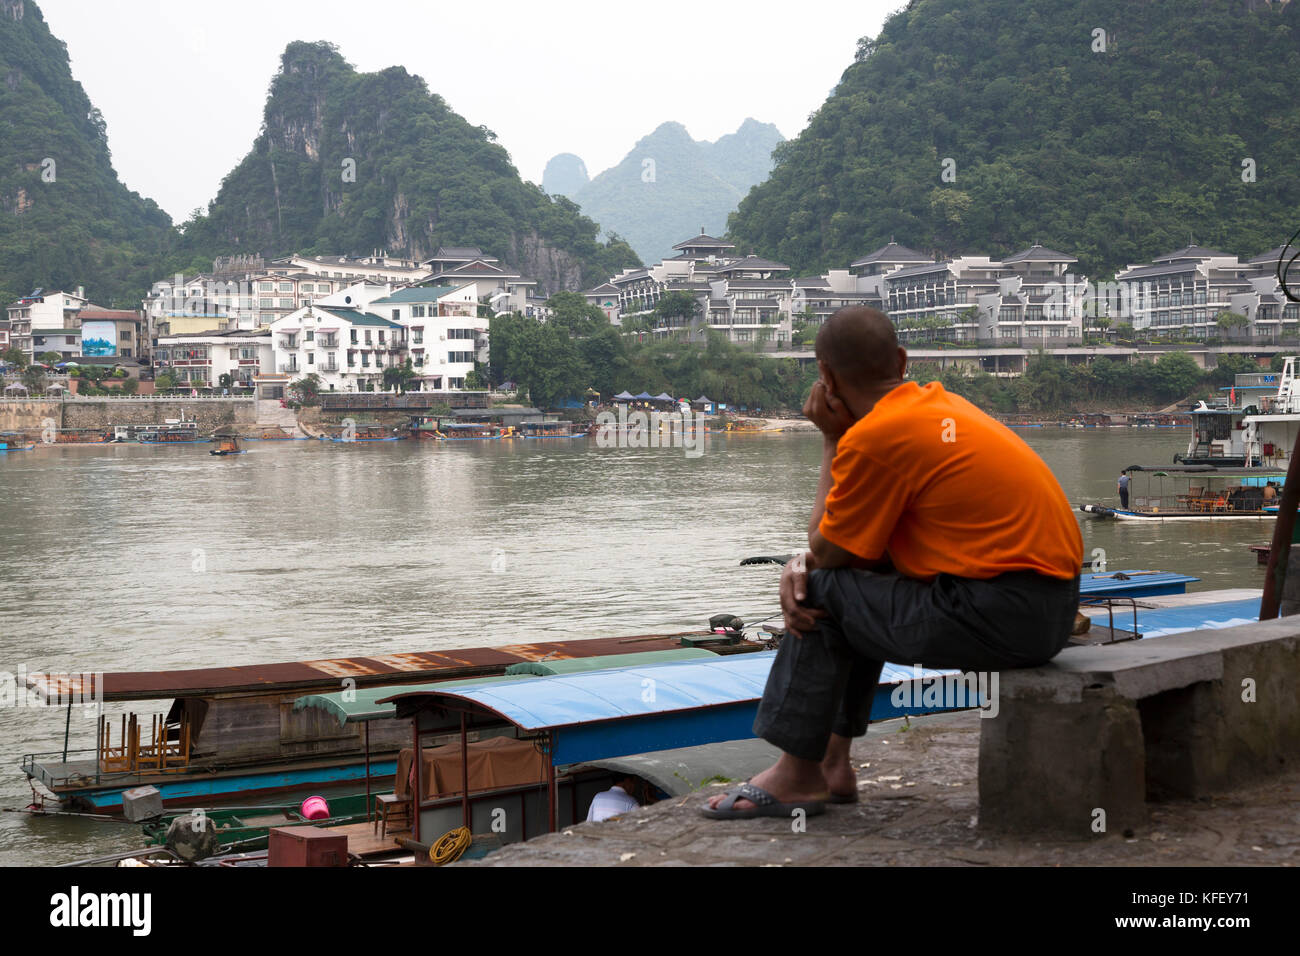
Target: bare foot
(837, 768)
(790, 780)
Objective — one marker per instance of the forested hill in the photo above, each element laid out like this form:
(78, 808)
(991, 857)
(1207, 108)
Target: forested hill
(1113, 155)
(65, 218)
(670, 185)
(350, 162)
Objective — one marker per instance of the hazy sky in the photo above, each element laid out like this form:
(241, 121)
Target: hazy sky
(182, 84)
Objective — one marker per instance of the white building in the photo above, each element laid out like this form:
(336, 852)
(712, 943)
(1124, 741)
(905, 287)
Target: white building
(48, 320)
(495, 285)
(749, 298)
(444, 334)
(201, 358)
(349, 349)
(1184, 292)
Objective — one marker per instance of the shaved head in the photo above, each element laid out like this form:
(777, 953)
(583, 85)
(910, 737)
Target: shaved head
(860, 346)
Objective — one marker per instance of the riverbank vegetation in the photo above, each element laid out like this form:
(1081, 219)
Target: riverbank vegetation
(578, 349)
(1049, 385)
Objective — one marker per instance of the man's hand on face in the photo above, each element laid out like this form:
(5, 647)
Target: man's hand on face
(827, 411)
(794, 590)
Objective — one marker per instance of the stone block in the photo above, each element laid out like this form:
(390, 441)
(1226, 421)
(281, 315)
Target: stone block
(141, 803)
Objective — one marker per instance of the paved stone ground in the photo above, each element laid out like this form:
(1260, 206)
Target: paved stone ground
(918, 807)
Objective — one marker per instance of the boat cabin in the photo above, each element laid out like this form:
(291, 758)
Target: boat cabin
(219, 733)
(1196, 492)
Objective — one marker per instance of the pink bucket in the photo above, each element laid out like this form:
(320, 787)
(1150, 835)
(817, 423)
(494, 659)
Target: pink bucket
(315, 808)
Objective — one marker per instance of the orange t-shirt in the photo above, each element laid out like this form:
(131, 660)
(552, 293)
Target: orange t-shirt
(928, 479)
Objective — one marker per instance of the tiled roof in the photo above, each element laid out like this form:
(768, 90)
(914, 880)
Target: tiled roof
(753, 264)
(1162, 270)
(1190, 252)
(891, 252)
(704, 240)
(358, 318)
(917, 270)
(1273, 255)
(416, 294)
(1037, 253)
(457, 252)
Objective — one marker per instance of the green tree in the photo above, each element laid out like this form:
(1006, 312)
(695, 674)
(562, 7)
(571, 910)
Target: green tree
(1231, 322)
(34, 378)
(15, 357)
(306, 390)
(676, 310)
(1176, 374)
(398, 378)
(571, 311)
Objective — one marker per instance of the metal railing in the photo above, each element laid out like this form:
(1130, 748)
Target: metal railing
(389, 400)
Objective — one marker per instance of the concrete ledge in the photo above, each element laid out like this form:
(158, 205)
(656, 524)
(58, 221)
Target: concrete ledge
(1109, 727)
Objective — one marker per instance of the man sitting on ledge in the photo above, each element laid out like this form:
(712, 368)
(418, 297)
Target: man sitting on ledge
(938, 538)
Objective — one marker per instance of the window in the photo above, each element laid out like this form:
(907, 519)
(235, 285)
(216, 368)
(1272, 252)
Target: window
(286, 303)
(354, 336)
(417, 311)
(234, 354)
(311, 358)
(266, 286)
(286, 286)
(417, 336)
(311, 335)
(368, 342)
(306, 287)
(381, 336)
(455, 383)
(397, 314)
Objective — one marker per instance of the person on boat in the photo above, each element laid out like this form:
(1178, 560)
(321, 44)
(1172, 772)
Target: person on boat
(1123, 490)
(914, 557)
(1270, 491)
(616, 800)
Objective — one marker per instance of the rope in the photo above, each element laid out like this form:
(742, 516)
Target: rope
(449, 847)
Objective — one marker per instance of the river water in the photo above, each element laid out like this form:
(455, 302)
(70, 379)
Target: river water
(142, 558)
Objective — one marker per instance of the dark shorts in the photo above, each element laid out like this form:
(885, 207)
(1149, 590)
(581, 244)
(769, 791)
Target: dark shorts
(825, 682)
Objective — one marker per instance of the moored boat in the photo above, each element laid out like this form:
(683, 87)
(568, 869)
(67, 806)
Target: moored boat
(548, 430)
(473, 431)
(171, 432)
(15, 441)
(365, 432)
(1196, 493)
(230, 732)
(82, 436)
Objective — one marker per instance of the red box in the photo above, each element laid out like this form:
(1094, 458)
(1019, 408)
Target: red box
(306, 846)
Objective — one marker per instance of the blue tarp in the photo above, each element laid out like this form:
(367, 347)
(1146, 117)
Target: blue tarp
(611, 713)
(1139, 583)
(1174, 620)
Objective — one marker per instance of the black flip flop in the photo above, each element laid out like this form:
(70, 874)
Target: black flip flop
(765, 805)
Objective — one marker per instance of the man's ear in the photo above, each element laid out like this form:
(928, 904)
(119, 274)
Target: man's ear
(828, 376)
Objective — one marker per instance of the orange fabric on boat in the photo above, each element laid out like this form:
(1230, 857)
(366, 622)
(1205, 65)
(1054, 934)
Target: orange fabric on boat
(493, 763)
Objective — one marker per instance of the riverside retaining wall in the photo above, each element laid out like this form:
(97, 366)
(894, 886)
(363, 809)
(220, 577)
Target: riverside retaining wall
(89, 413)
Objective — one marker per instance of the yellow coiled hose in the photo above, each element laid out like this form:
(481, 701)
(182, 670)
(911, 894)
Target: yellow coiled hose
(449, 847)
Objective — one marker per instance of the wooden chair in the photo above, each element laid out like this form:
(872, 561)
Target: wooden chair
(385, 804)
